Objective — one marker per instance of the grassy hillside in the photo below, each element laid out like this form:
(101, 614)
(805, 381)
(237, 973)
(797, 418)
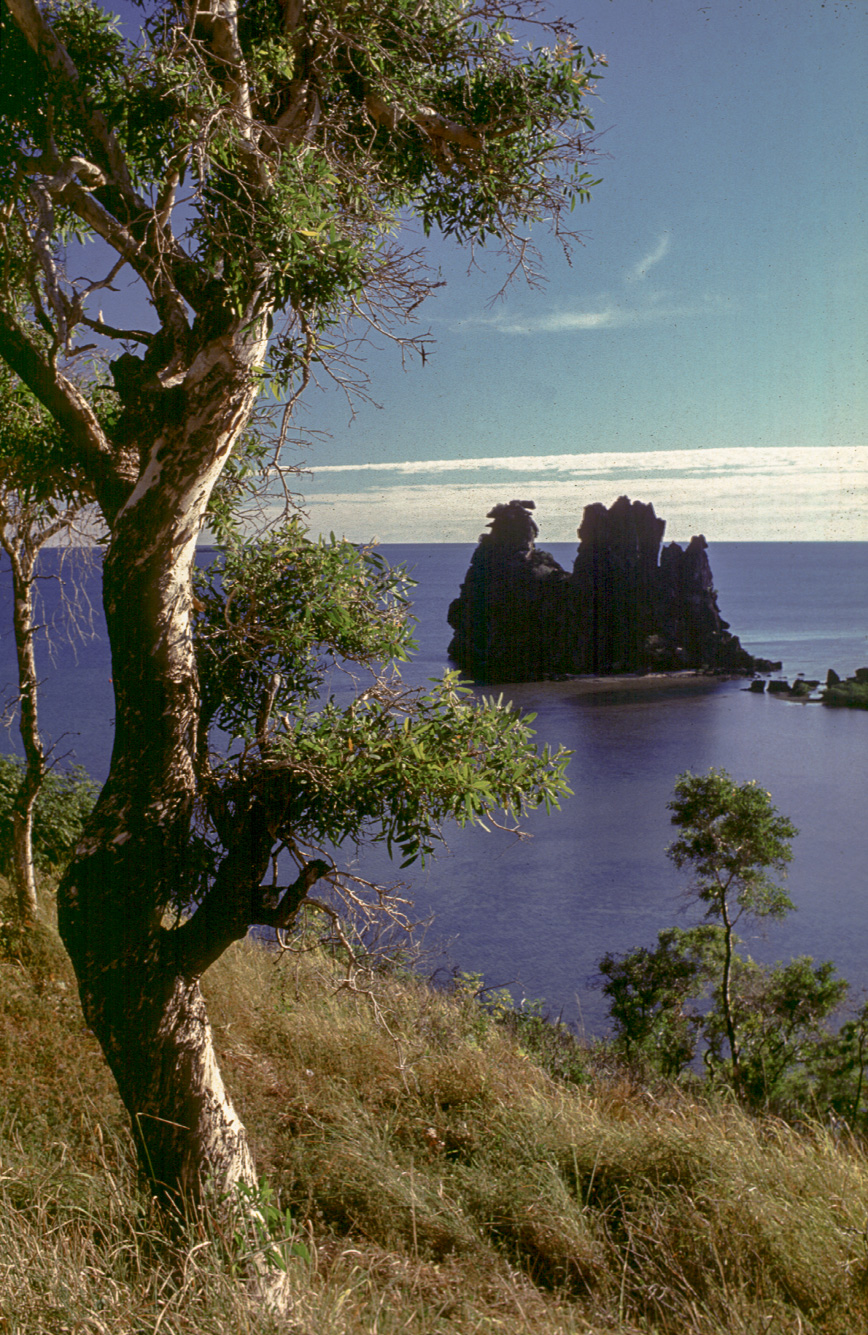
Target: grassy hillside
(440, 1177)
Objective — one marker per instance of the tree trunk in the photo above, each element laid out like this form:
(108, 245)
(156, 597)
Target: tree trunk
(726, 1000)
(130, 869)
(23, 558)
(26, 898)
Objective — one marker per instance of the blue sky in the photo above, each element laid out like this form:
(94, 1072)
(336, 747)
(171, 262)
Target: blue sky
(706, 350)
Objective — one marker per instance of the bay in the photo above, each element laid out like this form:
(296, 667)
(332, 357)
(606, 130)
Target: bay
(537, 913)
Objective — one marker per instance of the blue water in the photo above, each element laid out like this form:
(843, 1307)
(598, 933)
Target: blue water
(537, 914)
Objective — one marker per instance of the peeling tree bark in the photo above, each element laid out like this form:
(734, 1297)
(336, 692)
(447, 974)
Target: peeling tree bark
(139, 992)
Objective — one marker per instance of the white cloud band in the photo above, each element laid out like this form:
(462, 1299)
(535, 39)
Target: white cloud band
(789, 494)
(612, 315)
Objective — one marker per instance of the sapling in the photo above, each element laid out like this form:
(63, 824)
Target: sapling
(731, 837)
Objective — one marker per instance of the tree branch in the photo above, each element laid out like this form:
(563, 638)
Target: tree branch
(111, 478)
(237, 901)
(110, 331)
(279, 905)
(54, 55)
(74, 180)
(153, 270)
(218, 21)
(429, 121)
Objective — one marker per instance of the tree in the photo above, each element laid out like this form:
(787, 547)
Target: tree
(667, 1005)
(695, 994)
(250, 168)
(38, 505)
(731, 834)
(839, 1065)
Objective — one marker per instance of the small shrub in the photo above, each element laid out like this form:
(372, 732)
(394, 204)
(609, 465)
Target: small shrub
(65, 801)
(849, 694)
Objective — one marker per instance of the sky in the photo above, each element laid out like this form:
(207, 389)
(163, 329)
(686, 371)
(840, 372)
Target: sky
(706, 349)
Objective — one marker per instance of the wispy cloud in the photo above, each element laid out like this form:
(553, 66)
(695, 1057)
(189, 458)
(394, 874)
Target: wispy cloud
(607, 312)
(792, 494)
(646, 264)
(612, 315)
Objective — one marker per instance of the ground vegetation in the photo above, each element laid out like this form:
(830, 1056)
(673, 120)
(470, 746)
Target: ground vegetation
(426, 1169)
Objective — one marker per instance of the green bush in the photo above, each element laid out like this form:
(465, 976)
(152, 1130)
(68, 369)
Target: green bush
(849, 694)
(63, 805)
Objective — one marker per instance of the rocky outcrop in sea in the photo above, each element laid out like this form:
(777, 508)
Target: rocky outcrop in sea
(627, 606)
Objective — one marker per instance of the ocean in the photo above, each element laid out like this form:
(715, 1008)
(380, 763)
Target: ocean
(536, 914)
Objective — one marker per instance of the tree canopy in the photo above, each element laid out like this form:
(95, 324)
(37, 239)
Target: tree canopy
(254, 164)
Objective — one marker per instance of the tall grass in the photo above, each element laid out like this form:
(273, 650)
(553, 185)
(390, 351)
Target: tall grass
(441, 1178)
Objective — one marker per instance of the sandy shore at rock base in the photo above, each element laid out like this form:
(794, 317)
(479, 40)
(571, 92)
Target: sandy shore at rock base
(626, 685)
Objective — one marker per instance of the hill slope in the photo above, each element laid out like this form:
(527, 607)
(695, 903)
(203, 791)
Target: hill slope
(446, 1172)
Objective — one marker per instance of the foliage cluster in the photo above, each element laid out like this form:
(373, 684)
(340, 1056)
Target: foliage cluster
(293, 606)
(852, 693)
(34, 451)
(276, 619)
(301, 141)
(438, 1179)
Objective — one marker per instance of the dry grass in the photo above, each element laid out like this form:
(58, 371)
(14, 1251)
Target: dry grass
(442, 1180)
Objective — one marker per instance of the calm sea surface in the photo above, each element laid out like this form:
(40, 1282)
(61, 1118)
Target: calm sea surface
(537, 914)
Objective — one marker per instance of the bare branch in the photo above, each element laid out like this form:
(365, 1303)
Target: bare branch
(111, 331)
(426, 119)
(148, 261)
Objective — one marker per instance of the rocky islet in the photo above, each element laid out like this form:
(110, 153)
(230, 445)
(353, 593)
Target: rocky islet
(629, 605)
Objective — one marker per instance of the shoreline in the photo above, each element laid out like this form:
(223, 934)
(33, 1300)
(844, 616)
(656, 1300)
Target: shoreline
(683, 682)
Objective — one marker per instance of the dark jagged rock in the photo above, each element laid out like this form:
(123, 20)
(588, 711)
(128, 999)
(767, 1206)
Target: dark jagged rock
(513, 621)
(626, 607)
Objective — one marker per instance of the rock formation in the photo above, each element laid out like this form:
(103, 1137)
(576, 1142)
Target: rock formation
(626, 607)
